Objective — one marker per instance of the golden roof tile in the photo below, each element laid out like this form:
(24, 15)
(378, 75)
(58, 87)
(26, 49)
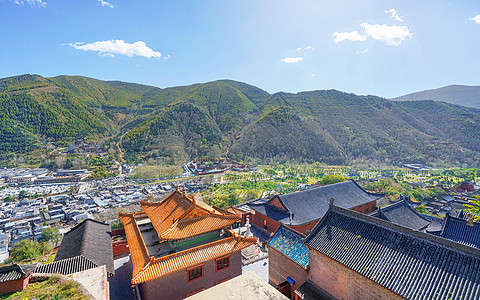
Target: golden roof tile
(189, 258)
(191, 227)
(136, 245)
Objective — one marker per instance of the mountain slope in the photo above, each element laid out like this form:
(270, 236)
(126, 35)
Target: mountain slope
(232, 118)
(454, 94)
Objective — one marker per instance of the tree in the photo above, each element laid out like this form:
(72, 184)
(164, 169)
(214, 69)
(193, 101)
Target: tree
(50, 235)
(22, 194)
(8, 199)
(28, 249)
(330, 179)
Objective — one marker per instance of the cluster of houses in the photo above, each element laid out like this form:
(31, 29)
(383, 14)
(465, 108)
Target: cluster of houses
(80, 146)
(325, 242)
(200, 167)
(24, 176)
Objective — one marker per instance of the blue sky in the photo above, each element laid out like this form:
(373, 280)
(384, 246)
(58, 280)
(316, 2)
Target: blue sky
(385, 48)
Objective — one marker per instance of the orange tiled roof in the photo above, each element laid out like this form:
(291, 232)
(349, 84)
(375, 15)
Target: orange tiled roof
(136, 245)
(186, 259)
(191, 227)
(163, 214)
(180, 216)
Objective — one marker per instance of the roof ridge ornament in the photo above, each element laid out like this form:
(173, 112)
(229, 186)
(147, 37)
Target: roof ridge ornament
(332, 200)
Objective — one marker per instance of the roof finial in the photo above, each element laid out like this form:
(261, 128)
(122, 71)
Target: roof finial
(184, 190)
(176, 188)
(331, 202)
(470, 220)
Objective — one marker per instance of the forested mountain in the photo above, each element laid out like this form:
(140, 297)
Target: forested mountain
(454, 94)
(229, 118)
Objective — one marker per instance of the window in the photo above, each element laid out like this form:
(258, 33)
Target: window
(195, 273)
(223, 263)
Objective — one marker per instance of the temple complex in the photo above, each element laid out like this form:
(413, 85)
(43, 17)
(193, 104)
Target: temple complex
(181, 246)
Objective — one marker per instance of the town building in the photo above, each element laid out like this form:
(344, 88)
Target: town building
(302, 210)
(181, 245)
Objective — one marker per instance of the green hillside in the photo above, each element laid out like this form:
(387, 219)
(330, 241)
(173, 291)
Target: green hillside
(232, 118)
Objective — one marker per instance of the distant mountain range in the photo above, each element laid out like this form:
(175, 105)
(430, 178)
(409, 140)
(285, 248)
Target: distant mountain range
(454, 94)
(235, 119)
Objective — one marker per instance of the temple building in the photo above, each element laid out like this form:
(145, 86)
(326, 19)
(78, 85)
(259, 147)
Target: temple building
(355, 256)
(302, 210)
(403, 214)
(463, 230)
(350, 255)
(180, 246)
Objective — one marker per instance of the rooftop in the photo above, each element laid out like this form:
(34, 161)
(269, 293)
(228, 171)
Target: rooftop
(290, 243)
(309, 205)
(458, 230)
(403, 214)
(91, 239)
(15, 272)
(187, 233)
(409, 263)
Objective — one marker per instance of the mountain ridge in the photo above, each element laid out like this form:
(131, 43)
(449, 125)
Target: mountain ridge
(235, 119)
(464, 95)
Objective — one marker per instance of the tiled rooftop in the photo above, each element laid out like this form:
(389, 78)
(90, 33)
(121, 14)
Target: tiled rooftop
(176, 218)
(291, 244)
(185, 259)
(412, 264)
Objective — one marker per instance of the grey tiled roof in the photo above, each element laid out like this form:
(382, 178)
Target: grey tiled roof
(403, 214)
(456, 229)
(67, 266)
(412, 264)
(90, 239)
(310, 205)
(15, 272)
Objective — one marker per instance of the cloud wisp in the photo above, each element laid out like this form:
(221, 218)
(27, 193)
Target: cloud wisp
(306, 48)
(39, 3)
(105, 3)
(392, 35)
(349, 36)
(112, 47)
(291, 60)
(393, 13)
(389, 34)
(476, 19)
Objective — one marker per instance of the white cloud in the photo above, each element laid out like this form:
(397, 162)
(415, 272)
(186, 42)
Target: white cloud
(389, 34)
(290, 60)
(349, 36)
(166, 57)
(476, 19)
(105, 3)
(306, 48)
(393, 13)
(39, 3)
(362, 52)
(109, 48)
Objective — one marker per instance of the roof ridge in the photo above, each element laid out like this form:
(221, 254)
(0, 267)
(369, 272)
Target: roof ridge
(418, 235)
(191, 249)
